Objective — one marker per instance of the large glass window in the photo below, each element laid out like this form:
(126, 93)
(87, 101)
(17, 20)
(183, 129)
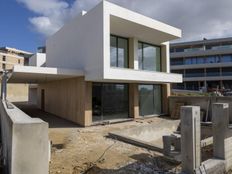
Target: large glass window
(177, 61)
(227, 71)
(200, 60)
(226, 58)
(119, 52)
(212, 72)
(149, 57)
(212, 59)
(194, 73)
(178, 71)
(192, 86)
(150, 100)
(110, 101)
(178, 86)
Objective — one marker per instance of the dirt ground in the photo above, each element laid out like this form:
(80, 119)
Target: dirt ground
(89, 150)
(77, 150)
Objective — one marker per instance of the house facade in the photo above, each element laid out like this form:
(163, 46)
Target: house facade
(203, 63)
(107, 64)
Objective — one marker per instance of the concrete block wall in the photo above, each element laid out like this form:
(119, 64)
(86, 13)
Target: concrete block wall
(25, 142)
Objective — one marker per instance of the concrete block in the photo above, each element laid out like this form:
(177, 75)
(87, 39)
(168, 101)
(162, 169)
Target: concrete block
(211, 166)
(171, 143)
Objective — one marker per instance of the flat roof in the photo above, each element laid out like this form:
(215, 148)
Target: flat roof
(15, 50)
(203, 41)
(130, 23)
(32, 74)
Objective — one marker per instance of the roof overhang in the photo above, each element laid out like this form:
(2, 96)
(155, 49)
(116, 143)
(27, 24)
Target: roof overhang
(31, 74)
(127, 23)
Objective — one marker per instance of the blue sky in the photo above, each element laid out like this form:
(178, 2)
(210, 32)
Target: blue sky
(26, 24)
(15, 30)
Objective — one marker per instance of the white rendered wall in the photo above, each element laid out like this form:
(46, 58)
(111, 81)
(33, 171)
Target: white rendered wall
(79, 45)
(84, 44)
(113, 74)
(38, 59)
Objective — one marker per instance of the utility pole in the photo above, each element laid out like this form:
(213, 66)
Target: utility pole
(4, 85)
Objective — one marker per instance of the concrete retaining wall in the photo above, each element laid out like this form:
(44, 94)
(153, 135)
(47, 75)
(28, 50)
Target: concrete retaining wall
(200, 101)
(25, 142)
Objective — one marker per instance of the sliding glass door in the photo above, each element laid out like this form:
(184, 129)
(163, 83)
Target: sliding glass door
(150, 100)
(110, 101)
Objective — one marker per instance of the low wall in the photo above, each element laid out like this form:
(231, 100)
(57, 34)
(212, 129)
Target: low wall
(203, 102)
(25, 142)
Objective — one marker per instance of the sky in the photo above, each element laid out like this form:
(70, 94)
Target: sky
(26, 24)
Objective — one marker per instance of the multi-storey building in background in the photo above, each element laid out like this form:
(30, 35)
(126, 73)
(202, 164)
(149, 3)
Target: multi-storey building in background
(204, 64)
(8, 58)
(11, 56)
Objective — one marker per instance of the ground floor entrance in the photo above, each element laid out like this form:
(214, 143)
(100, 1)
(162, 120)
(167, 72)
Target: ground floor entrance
(87, 103)
(110, 101)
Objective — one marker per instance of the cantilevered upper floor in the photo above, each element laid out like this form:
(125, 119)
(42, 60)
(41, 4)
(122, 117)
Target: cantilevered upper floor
(113, 44)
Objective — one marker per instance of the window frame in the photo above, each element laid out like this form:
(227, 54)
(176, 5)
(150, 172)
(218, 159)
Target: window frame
(117, 58)
(154, 45)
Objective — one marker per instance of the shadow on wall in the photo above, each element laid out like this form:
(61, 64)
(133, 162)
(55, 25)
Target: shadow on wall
(53, 120)
(145, 163)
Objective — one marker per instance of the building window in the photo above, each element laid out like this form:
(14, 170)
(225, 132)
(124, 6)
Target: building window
(18, 61)
(177, 61)
(149, 57)
(226, 58)
(110, 101)
(194, 73)
(4, 64)
(188, 61)
(178, 71)
(212, 59)
(227, 71)
(178, 86)
(150, 100)
(200, 60)
(119, 52)
(192, 86)
(212, 72)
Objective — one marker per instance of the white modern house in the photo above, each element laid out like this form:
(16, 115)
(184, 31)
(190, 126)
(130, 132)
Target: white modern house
(107, 64)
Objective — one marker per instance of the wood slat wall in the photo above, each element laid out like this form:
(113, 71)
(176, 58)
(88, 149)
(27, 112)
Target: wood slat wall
(70, 99)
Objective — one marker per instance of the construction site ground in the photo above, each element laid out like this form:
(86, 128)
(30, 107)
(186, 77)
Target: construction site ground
(89, 150)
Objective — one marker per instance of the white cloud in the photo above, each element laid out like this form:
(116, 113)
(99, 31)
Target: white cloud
(44, 25)
(197, 18)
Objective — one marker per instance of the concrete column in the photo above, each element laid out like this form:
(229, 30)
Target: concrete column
(133, 53)
(165, 55)
(166, 92)
(205, 84)
(134, 100)
(222, 135)
(190, 138)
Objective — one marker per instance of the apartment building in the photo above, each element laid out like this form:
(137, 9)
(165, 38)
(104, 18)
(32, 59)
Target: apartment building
(11, 56)
(204, 64)
(107, 64)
